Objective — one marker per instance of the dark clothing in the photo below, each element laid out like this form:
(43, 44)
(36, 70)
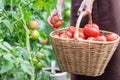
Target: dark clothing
(106, 13)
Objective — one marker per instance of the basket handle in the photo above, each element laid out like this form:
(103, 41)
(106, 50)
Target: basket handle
(76, 37)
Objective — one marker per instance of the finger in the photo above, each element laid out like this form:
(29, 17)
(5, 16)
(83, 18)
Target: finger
(88, 11)
(54, 12)
(81, 8)
(60, 16)
(48, 20)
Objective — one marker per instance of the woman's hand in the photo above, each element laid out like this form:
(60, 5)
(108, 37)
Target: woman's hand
(58, 11)
(54, 13)
(86, 6)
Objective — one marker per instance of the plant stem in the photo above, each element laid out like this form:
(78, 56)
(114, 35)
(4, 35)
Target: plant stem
(27, 43)
(28, 49)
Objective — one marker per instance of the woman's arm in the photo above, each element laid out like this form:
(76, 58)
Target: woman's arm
(60, 4)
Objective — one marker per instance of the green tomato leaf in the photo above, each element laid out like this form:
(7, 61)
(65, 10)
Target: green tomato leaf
(8, 57)
(23, 52)
(26, 67)
(42, 35)
(38, 5)
(15, 15)
(4, 48)
(45, 75)
(6, 66)
(8, 25)
(19, 76)
(7, 45)
(1, 4)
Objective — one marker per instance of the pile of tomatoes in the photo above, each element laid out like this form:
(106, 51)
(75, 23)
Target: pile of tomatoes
(89, 32)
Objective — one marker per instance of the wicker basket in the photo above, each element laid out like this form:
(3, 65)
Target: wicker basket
(83, 57)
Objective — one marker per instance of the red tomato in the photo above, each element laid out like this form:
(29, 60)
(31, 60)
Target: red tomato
(81, 35)
(71, 29)
(69, 34)
(91, 30)
(91, 38)
(100, 38)
(81, 30)
(63, 35)
(111, 37)
(56, 22)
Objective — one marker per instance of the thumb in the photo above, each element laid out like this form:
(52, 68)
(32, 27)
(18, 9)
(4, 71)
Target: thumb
(60, 15)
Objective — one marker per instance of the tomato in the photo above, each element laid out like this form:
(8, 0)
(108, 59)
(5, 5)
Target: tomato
(66, 34)
(69, 34)
(63, 35)
(71, 29)
(100, 38)
(91, 30)
(91, 38)
(40, 56)
(39, 66)
(56, 35)
(56, 22)
(81, 34)
(43, 41)
(111, 37)
(34, 25)
(34, 60)
(34, 35)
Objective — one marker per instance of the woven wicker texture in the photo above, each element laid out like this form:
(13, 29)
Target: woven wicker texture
(83, 57)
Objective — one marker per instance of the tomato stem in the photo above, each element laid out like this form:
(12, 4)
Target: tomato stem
(27, 43)
(90, 18)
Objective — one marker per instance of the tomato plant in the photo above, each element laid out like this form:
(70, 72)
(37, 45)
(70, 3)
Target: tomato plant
(16, 47)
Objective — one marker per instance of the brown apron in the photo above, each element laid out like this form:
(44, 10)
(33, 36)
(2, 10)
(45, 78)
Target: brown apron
(106, 13)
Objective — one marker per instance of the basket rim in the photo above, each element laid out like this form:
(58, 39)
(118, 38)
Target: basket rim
(89, 41)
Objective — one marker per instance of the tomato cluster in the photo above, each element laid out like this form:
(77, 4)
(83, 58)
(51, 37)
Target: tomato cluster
(37, 60)
(89, 32)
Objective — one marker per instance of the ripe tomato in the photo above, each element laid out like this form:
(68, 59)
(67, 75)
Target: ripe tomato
(63, 35)
(34, 35)
(91, 38)
(100, 38)
(56, 22)
(81, 34)
(34, 25)
(69, 34)
(91, 30)
(111, 37)
(43, 41)
(71, 29)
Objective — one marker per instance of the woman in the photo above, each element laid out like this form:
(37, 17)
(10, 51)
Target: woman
(105, 13)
